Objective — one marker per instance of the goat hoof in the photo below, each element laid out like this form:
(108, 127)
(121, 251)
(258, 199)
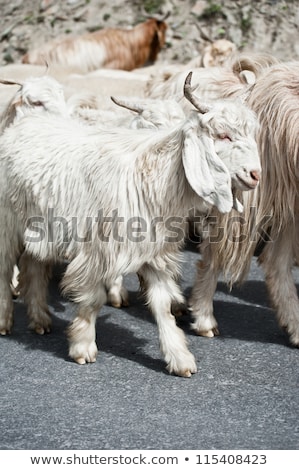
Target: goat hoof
(82, 360)
(186, 373)
(119, 304)
(40, 330)
(186, 369)
(118, 297)
(294, 340)
(116, 304)
(84, 356)
(208, 333)
(125, 303)
(5, 331)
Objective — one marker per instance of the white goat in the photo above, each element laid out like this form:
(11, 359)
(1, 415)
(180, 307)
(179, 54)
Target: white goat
(270, 214)
(39, 95)
(211, 82)
(144, 113)
(35, 94)
(150, 114)
(131, 184)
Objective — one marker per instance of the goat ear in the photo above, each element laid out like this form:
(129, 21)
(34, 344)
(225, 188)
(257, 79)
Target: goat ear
(205, 172)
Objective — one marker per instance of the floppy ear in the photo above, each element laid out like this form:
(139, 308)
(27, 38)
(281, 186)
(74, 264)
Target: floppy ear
(205, 172)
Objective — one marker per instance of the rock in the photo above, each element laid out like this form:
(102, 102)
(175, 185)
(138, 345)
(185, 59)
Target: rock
(262, 26)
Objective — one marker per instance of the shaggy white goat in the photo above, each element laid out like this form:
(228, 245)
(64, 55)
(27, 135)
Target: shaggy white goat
(151, 114)
(113, 203)
(211, 82)
(35, 94)
(271, 213)
(144, 113)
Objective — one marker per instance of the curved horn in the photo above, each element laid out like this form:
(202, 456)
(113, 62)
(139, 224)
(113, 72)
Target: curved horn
(164, 17)
(192, 98)
(10, 82)
(156, 16)
(246, 93)
(136, 108)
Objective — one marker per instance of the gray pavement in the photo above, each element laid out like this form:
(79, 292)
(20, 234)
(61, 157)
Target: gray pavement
(244, 396)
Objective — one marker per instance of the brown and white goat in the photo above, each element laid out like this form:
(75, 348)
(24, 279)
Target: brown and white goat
(113, 48)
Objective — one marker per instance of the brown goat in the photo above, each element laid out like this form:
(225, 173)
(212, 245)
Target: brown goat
(112, 48)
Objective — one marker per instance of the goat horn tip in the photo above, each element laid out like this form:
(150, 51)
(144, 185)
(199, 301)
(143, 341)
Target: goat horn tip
(188, 78)
(5, 81)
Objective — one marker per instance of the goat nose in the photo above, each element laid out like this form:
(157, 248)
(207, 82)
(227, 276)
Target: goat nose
(255, 175)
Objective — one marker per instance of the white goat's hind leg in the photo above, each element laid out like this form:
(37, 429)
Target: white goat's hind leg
(81, 332)
(160, 290)
(6, 304)
(277, 261)
(9, 251)
(33, 286)
(117, 294)
(201, 302)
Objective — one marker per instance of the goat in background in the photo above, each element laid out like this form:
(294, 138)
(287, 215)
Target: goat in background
(112, 48)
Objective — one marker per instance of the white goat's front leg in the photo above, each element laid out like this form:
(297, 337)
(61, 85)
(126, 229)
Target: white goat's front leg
(117, 294)
(201, 302)
(160, 290)
(277, 261)
(81, 332)
(33, 286)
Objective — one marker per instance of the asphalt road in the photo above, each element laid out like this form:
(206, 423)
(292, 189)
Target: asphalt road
(244, 396)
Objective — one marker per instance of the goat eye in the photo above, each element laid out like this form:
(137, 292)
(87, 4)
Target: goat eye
(224, 136)
(35, 102)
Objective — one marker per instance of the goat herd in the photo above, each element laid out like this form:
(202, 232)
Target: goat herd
(109, 187)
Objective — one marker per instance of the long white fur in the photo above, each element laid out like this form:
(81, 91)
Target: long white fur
(34, 95)
(275, 98)
(236, 76)
(50, 162)
(148, 113)
(39, 95)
